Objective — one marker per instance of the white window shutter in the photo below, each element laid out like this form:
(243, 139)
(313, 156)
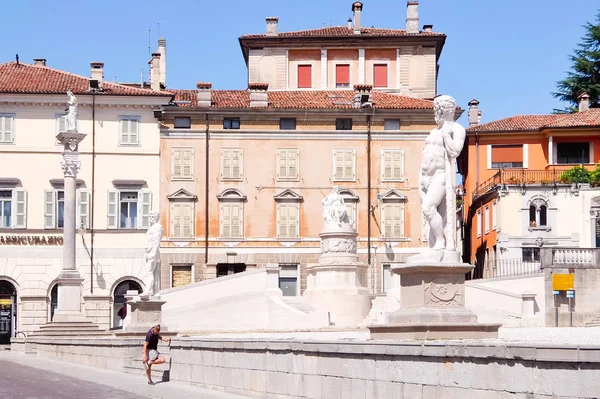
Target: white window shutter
(236, 164)
(176, 172)
(124, 127)
(49, 209)
(176, 220)
(19, 208)
(144, 208)
(225, 164)
(350, 172)
(83, 206)
(398, 216)
(187, 220)
(387, 165)
(7, 129)
(186, 163)
(113, 210)
(226, 221)
(134, 127)
(339, 165)
(281, 167)
(283, 221)
(293, 221)
(293, 164)
(236, 221)
(387, 221)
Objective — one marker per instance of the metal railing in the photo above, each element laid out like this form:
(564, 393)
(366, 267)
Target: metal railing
(517, 177)
(570, 257)
(509, 267)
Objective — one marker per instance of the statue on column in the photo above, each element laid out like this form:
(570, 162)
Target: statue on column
(437, 179)
(152, 256)
(335, 212)
(72, 112)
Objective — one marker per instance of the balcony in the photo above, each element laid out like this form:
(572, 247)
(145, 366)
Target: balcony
(520, 177)
(585, 258)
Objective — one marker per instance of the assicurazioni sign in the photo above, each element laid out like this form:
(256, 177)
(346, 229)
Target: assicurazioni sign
(31, 240)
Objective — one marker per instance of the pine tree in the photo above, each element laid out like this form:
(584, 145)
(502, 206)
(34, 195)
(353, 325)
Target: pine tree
(584, 76)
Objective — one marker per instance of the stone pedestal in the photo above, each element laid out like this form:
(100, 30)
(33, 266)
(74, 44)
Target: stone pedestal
(69, 299)
(337, 284)
(142, 314)
(433, 299)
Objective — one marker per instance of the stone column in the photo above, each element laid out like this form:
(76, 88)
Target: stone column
(69, 279)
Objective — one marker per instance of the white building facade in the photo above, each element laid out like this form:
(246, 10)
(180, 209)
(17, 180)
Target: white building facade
(117, 187)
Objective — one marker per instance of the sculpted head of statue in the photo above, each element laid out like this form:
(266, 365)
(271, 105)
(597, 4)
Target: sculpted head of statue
(153, 217)
(444, 108)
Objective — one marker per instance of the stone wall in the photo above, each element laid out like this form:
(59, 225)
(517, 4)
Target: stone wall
(334, 369)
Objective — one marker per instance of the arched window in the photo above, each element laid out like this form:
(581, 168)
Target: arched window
(53, 301)
(538, 213)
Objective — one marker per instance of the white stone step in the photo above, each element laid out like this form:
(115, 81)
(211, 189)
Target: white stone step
(298, 303)
(380, 306)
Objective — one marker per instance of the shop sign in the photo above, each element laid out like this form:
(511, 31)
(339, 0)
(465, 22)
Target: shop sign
(31, 240)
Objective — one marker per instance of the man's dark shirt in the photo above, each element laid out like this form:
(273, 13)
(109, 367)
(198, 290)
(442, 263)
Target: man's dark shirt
(152, 340)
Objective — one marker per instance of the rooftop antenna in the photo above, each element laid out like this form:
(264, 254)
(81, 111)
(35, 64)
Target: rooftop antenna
(142, 78)
(17, 58)
(158, 31)
(149, 47)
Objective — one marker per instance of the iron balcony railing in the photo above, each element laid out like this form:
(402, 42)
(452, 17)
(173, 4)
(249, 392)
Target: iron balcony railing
(519, 177)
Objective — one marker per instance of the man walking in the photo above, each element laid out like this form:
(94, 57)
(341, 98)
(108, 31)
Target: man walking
(150, 353)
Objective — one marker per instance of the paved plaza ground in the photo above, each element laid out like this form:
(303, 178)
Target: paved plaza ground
(30, 377)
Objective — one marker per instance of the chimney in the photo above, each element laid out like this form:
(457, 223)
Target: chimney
(427, 28)
(39, 61)
(97, 72)
(155, 71)
(349, 23)
(357, 7)
(162, 50)
(584, 102)
(474, 113)
(412, 17)
(204, 94)
(259, 97)
(272, 26)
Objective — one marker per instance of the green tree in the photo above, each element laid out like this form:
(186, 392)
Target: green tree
(584, 76)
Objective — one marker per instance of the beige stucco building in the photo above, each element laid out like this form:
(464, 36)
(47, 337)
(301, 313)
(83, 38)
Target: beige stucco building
(243, 172)
(118, 185)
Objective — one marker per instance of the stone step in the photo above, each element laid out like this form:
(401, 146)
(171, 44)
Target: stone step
(593, 323)
(298, 303)
(160, 372)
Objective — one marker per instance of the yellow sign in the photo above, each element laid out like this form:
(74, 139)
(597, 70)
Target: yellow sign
(5, 301)
(563, 282)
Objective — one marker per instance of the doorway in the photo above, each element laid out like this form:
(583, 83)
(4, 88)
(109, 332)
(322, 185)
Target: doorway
(119, 308)
(8, 313)
(225, 269)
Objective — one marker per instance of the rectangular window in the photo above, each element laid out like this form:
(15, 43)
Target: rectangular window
(391, 124)
(287, 221)
(182, 164)
(129, 128)
(304, 76)
(531, 254)
(61, 125)
(54, 209)
(6, 209)
(344, 165)
(392, 165)
(479, 223)
(487, 219)
(572, 153)
(288, 280)
(182, 122)
(380, 75)
(343, 124)
(287, 124)
(231, 220)
(7, 128)
(494, 215)
(182, 220)
(129, 209)
(287, 164)
(231, 123)
(393, 220)
(181, 275)
(232, 164)
(507, 156)
(387, 276)
(342, 75)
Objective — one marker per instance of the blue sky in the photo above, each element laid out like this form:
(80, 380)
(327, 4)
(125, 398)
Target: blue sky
(508, 54)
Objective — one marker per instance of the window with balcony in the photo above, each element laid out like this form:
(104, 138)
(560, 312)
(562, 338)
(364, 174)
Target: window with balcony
(506, 156)
(342, 75)
(572, 153)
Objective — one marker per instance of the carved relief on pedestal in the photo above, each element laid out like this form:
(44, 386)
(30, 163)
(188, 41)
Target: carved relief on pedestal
(148, 317)
(444, 291)
(344, 245)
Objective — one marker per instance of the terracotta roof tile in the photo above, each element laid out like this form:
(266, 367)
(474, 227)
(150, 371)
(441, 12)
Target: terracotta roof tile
(302, 99)
(37, 79)
(589, 118)
(342, 31)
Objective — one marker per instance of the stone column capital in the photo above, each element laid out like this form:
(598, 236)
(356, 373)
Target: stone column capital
(70, 165)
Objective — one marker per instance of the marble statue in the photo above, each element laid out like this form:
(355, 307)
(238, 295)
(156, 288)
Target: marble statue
(72, 112)
(335, 212)
(437, 177)
(152, 256)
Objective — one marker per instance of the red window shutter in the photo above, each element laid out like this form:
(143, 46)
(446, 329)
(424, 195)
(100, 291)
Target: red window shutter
(380, 75)
(507, 153)
(304, 76)
(342, 75)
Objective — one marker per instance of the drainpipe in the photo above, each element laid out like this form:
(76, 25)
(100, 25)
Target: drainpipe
(369, 190)
(93, 192)
(206, 176)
